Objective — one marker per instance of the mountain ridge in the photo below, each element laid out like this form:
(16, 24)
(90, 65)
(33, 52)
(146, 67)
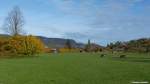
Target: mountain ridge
(59, 42)
(54, 42)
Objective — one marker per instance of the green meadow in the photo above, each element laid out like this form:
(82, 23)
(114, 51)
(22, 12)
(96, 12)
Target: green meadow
(75, 68)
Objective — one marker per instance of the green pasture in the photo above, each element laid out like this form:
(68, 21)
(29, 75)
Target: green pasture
(75, 68)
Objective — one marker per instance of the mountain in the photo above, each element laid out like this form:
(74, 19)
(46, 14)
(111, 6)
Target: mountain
(54, 42)
(59, 42)
(4, 36)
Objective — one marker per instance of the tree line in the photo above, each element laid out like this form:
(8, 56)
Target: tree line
(139, 45)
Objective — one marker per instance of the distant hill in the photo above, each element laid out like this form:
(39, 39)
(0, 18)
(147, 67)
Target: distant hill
(4, 36)
(59, 42)
(56, 42)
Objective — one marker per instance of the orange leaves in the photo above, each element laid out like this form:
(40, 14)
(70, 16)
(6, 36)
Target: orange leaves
(33, 44)
(66, 50)
(27, 45)
(23, 45)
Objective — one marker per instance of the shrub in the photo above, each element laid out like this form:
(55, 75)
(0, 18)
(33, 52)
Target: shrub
(7, 47)
(66, 50)
(27, 45)
(23, 45)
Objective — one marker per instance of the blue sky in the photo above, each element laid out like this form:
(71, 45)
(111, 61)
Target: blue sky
(102, 21)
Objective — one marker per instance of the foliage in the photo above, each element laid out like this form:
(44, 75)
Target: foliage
(25, 45)
(65, 50)
(5, 47)
(140, 45)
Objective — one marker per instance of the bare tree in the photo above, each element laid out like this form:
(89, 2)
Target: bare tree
(14, 22)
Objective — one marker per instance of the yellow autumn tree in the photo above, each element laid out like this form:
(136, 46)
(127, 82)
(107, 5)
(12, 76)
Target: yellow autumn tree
(27, 45)
(33, 45)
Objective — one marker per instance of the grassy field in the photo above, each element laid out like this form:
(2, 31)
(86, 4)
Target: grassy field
(75, 68)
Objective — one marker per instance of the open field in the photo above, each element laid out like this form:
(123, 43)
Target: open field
(75, 68)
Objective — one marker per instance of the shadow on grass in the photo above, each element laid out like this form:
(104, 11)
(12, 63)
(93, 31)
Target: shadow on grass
(133, 59)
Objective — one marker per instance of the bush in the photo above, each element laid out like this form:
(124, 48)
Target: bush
(7, 47)
(66, 50)
(27, 45)
(21, 45)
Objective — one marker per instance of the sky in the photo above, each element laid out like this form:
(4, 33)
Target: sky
(101, 21)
